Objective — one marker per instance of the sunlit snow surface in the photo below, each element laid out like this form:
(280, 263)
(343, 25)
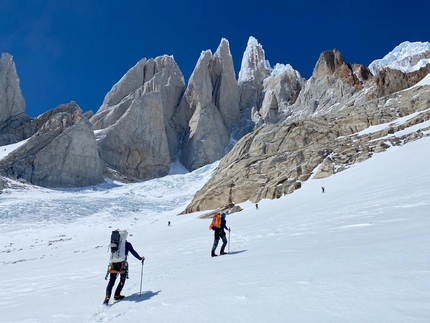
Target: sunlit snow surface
(360, 252)
(400, 58)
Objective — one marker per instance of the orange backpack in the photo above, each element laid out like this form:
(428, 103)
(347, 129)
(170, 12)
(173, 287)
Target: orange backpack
(216, 222)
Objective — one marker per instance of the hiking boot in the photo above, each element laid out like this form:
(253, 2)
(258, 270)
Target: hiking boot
(223, 253)
(106, 301)
(117, 297)
(213, 254)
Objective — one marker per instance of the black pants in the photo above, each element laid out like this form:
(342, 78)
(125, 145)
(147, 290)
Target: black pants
(116, 269)
(112, 279)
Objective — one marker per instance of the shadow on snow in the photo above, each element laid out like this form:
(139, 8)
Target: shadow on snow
(137, 297)
(236, 252)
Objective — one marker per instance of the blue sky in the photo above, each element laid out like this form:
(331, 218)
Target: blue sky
(77, 50)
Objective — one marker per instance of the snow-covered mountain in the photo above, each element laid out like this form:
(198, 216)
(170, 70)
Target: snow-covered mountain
(406, 57)
(356, 253)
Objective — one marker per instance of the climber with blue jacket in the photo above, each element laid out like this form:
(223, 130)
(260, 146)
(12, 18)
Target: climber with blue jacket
(120, 268)
(220, 233)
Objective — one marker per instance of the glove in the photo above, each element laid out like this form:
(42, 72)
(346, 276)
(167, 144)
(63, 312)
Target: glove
(143, 259)
(229, 229)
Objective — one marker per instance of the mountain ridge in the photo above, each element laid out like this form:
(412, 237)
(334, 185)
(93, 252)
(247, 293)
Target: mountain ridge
(203, 120)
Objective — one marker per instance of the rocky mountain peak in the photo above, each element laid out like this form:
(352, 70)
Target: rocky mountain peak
(330, 62)
(223, 50)
(11, 100)
(280, 91)
(139, 136)
(15, 125)
(211, 104)
(254, 67)
(150, 119)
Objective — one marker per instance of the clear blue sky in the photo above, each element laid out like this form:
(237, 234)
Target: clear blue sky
(77, 50)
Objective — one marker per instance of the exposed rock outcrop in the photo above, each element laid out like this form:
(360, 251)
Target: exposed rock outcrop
(69, 109)
(16, 129)
(3, 184)
(11, 100)
(136, 145)
(253, 70)
(130, 101)
(226, 91)
(149, 119)
(331, 87)
(15, 125)
(211, 102)
(389, 81)
(274, 160)
(280, 92)
(63, 153)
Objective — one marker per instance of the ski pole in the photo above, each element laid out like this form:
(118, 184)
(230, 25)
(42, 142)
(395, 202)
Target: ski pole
(141, 278)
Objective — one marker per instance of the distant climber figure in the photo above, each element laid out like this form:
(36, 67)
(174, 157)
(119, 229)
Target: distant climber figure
(256, 206)
(168, 223)
(322, 188)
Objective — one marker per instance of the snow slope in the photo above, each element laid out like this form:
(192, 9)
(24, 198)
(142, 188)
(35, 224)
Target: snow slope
(406, 57)
(424, 81)
(357, 253)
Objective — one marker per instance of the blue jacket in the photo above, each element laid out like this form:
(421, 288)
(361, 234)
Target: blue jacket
(129, 247)
(223, 223)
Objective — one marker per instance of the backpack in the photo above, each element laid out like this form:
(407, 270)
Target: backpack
(216, 222)
(117, 245)
(115, 239)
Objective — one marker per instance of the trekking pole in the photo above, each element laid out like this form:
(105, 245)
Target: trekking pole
(107, 273)
(141, 278)
(228, 241)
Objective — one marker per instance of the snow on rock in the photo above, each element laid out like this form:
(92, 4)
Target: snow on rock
(281, 68)
(406, 57)
(254, 66)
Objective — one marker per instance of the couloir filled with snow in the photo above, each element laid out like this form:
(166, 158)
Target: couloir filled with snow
(360, 252)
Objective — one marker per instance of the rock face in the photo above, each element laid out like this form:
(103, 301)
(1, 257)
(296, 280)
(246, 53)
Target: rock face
(226, 91)
(63, 153)
(291, 128)
(136, 145)
(211, 101)
(253, 70)
(15, 125)
(16, 129)
(11, 99)
(389, 81)
(274, 160)
(280, 92)
(331, 87)
(136, 119)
